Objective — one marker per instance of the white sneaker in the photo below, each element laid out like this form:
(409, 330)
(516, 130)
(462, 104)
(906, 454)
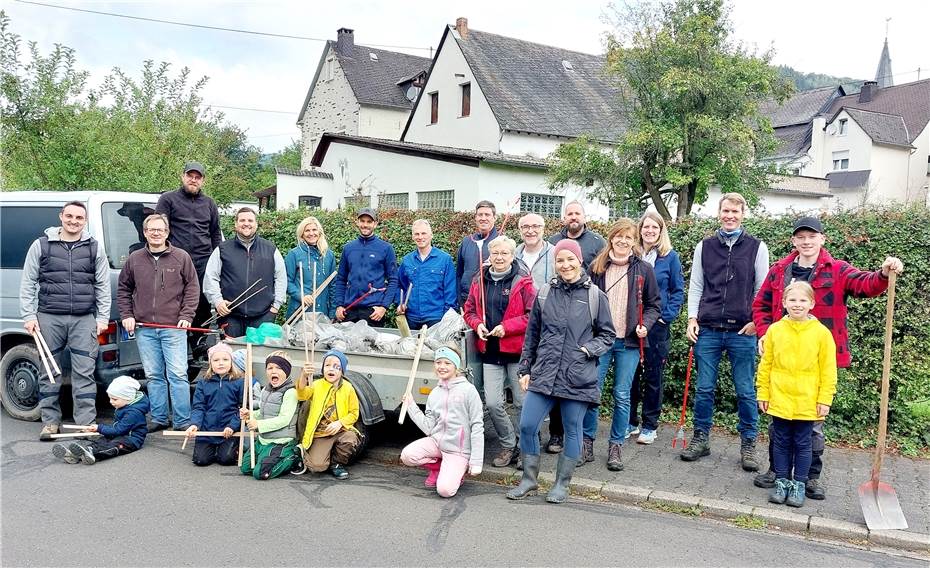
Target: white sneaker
(631, 431)
(647, 437)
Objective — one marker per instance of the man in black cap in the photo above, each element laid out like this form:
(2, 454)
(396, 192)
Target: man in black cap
(833, 281)
(195, 224)
(366, 282)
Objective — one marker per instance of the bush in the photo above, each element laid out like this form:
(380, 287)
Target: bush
(862, 238)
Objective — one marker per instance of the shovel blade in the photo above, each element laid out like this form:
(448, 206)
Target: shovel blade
(402, 325)
(880, 506)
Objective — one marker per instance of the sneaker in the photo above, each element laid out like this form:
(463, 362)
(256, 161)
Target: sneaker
(505, 457)
(554, 446)
(647, 436)
(87, 456)
(47, 430)
(795, 496)
(339, 471)
(765, 480)
(299, 467)
(613, 457)
(631, 430)
(780, 491)
(63, 453)
(698, 447)
(814, 490)
(747, 454)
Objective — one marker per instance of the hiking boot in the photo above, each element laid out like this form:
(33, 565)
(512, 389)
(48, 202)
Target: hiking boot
(698, 447)
(339, 471)
(84, 453)
(587, 451)
(156, 426)
(63, 453)
(631, 430)
(433, 475)
(795, 496)
(47, 430)
(563, 479)
(780, 491)
(554, 445)
(814, 490)
(528, 484)
(647, 436)
(613, 457)
(505, 457)
(765, 480)
(747, 454)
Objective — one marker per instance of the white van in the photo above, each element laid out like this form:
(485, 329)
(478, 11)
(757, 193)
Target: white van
(114, 218)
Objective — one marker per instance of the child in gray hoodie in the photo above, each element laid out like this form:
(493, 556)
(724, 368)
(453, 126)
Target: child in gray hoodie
(453, 424)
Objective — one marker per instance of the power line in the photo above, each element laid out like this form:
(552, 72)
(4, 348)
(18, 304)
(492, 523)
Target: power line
(216, 28)
(252, 109)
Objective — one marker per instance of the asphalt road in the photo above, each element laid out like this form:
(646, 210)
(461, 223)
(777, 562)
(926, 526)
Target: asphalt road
(155, 508)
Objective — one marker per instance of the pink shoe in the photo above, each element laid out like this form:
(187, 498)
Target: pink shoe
(433, 469)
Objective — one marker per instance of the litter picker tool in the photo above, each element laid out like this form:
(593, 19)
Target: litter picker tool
(198, 434)
(303, 312)
(318, 290)
(193, 329)
(48, 353)
(245, 393)
(413, 372)
(371, 290)
(402, 324)
(684, 403)
(879, 502)
(43, 355)
(237, 301)
(248, 377)
(639, 297)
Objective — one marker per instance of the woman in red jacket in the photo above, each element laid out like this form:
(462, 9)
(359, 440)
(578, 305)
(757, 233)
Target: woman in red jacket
(498, 308)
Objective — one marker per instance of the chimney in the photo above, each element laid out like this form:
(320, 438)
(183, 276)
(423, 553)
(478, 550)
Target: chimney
(868, 91)
(345, 40)
(461, 26)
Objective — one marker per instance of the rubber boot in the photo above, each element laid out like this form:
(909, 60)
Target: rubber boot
(433, 473)
(528, 485)
(563, 478)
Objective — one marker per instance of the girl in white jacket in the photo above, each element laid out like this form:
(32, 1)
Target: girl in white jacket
(454, 427)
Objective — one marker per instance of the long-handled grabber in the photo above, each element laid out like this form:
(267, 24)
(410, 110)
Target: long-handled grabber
(680, 435)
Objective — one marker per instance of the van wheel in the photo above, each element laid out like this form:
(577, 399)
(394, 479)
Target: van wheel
(20, 370)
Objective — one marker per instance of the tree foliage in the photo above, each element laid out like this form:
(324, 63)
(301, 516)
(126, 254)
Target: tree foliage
(689, 98)
(128, 133)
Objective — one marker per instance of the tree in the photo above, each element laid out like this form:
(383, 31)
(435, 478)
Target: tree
(127, 134)
(689, 98)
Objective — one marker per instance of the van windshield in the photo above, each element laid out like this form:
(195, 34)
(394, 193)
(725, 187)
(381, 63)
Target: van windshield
(122, 229)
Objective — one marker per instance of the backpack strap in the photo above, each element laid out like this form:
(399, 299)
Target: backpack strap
(594, 299)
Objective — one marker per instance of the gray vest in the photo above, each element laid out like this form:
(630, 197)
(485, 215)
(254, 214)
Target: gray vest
(271, 406)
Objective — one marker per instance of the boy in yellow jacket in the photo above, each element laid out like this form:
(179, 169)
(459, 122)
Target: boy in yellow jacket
(795, 385)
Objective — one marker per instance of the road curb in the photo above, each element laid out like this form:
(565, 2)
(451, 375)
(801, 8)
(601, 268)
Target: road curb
(812, 525)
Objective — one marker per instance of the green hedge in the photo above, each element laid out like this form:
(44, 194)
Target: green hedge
(863, 238)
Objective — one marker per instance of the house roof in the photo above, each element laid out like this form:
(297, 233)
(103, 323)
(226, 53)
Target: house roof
(443, 153)
(302, 173)
(530, 89)
(910, 101)
(849, 179)
(804, 186)
(374, 82)
(792, 140)
(802, 107)
(882, 128)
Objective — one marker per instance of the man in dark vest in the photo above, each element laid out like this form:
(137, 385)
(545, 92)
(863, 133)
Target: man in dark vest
(727, 270)
(236, 265)
(65, 295)
(195, 224)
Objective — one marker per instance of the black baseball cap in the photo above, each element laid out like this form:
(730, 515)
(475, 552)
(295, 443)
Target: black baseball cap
(810, 223)
(194, 167)
(367, 211)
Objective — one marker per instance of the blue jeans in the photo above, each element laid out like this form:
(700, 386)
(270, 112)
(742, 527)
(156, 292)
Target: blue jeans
(625, 360)
(741, 349)
(535, 408)
(791, 441)
(164, 358)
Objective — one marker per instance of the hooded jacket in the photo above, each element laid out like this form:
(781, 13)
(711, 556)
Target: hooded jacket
(216, 405)
(651, 298)
(347, 410)
(454, 418)
(129, 422)
(309, 256)
(469, 259)
(798, 369)
(195, 224)
(516, 294)
(158, 291)
(543, 269)
(552, 354)
(832, 280)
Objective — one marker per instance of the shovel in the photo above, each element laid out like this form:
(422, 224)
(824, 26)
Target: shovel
(879, 502)
(684, 404)
(401, 319)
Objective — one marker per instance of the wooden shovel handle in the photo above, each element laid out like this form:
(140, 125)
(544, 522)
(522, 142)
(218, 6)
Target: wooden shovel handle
(886, 378)
(413, 372)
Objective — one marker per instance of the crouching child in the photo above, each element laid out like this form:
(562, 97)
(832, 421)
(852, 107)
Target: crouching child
(125, 435)
(275, 421)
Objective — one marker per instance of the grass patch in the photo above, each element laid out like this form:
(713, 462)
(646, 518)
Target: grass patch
(749, 522)
(692, 511)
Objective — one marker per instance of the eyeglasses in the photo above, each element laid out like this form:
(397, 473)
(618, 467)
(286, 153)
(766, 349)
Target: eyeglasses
(156, 231)
(536, 227)
(501, 253)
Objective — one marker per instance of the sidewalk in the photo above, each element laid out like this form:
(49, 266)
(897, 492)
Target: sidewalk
(722, 489)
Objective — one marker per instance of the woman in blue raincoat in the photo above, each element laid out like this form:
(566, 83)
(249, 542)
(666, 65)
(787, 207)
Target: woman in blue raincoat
(312, 252)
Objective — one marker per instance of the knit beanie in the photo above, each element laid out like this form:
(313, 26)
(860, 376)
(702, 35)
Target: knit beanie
(570, 245)
(219, 348)
(238, 358)
(124, 387)
(281, 362)
(343, 361)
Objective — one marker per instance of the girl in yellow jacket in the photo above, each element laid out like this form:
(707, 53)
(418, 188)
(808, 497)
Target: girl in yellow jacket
(795, 385)
(330, 439)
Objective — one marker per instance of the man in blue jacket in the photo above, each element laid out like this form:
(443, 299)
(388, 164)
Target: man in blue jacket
(367, 275)
(430, 272)
(474, 248)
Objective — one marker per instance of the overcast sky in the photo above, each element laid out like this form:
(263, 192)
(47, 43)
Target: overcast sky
(835, 37)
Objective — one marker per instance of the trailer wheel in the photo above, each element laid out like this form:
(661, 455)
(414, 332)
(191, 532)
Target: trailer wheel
(19, 382)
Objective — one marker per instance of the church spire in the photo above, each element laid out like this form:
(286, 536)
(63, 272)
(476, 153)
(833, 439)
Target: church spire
(883, 75)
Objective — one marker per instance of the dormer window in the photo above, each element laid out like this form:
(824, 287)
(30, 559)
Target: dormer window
(841, 128)
(373, 56)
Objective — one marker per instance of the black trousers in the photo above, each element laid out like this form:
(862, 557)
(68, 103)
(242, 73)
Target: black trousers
(359, 313)
(647, 382)
(236, 324)
(224, 453)
(106, 448)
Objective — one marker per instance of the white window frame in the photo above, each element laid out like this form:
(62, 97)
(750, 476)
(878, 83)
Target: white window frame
(843, 127)
(545, 204)
(840, 160)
